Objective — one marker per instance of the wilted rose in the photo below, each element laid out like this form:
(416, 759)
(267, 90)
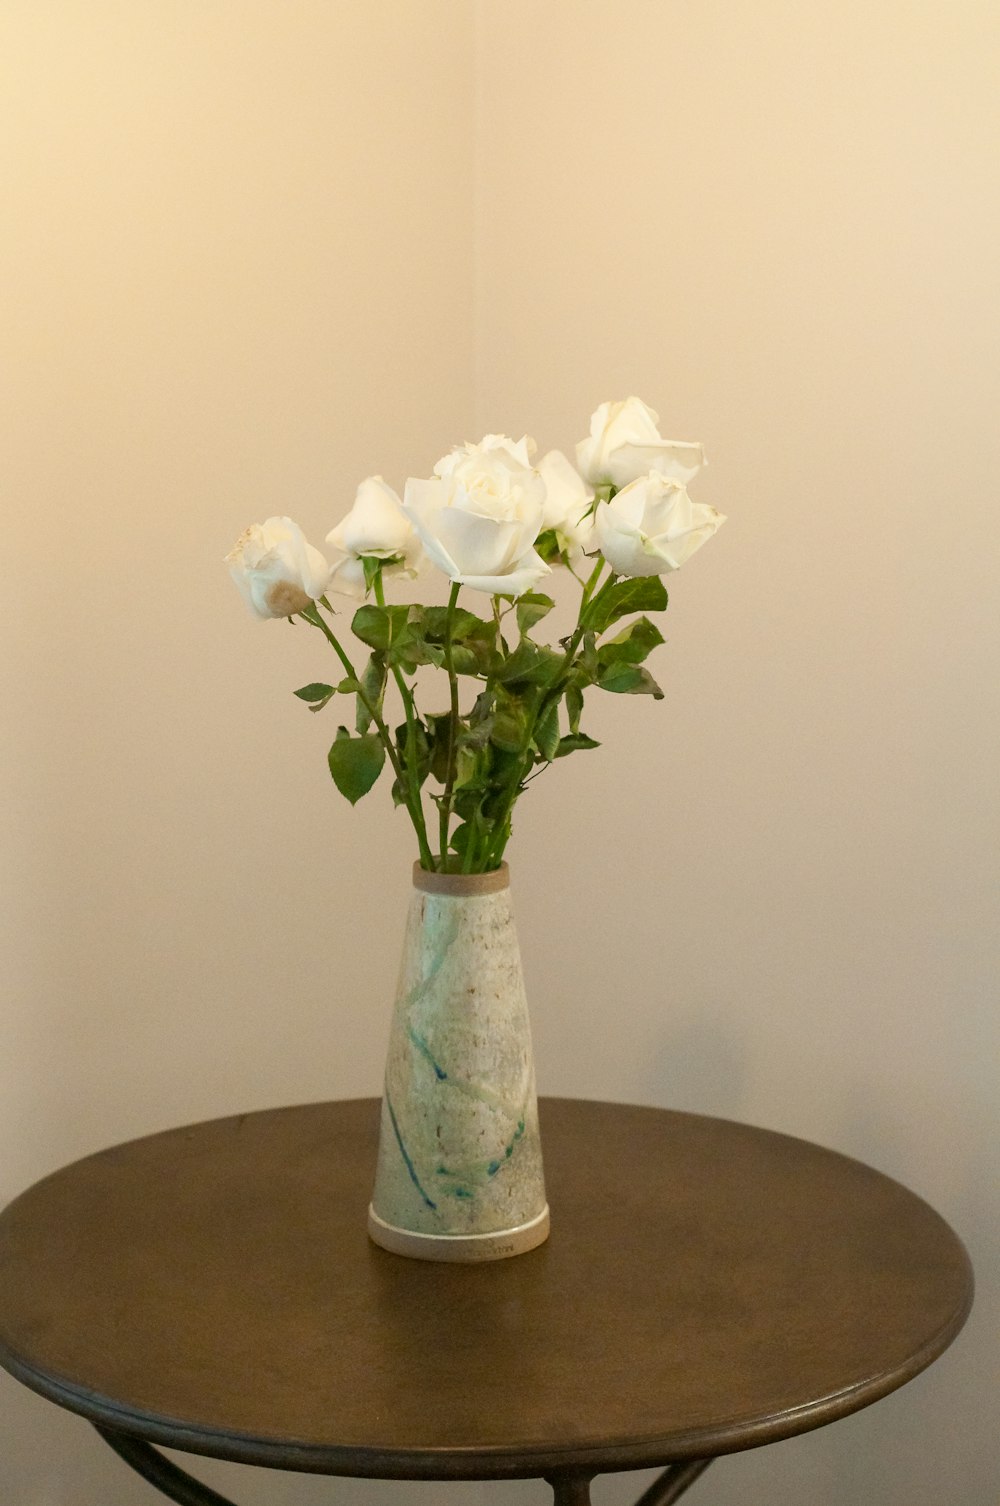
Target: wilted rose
(277, 572)
(652, 526)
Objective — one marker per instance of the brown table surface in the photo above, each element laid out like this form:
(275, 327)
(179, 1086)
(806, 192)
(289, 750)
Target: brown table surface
(707, 1287)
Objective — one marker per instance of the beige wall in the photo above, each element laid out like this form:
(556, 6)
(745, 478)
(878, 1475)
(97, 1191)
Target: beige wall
(254, 251)
(237, 277)
(774, 895)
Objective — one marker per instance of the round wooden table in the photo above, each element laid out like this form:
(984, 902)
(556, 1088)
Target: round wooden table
(707, 1287)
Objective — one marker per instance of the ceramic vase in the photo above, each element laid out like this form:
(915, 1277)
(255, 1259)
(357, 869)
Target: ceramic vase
(459, 1173)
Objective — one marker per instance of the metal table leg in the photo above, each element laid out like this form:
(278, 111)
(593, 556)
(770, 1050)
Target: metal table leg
(168, 1479)
(673, 1483)
(571, 1489)
(574, 1489)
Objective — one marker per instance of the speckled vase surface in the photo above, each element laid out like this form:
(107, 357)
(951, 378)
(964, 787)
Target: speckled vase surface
(459, 1173)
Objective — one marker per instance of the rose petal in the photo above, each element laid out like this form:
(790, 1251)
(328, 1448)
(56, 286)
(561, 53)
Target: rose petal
(676, 459)
(524, 576)
(480, 546)
(567, 495)
(424, 503)
(621, 543)
(677, 549)
(376, 524)
(348, 578)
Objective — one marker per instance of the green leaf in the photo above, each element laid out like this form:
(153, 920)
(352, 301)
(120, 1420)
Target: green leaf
(475, 657)
(546, 734)
(464, 625)
(641, 593)
(530, 664)
(482, 708)
(410, 649)
(632, 645)
(473, 639)
(463, 835)
(316, 693)
(355, 763)
(509, 730)
(469, 798)
(547, 547)
(575, 742)
(510, 721)
(531, 608)
(574, 706)
(421, 755)
(475, 826)
(506, 772)
(460, 838)
(586, 663)
(438, 733)
(629, 679)
(373, 684)
(477, 734)
(467, 767)
(378, 626)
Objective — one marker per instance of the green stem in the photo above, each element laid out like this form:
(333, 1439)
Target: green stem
(591, 582)
(586, 600)
(526, 758)
(497, 621)
(313, 616)
(414, 803)
(470, 852)
(449, 789)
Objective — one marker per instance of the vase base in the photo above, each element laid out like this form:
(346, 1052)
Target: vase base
(469, 1248)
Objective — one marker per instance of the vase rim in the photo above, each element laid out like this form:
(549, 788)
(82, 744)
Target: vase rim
(460, 884)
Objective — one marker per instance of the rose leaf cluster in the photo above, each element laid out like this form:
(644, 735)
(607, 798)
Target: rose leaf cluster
(493, 523)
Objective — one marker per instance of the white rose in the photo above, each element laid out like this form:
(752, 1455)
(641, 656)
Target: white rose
(625, 443)
(652, 526)
(277, 572)
(480, 514)
(377, 526)
(478, 461)
(568, 503)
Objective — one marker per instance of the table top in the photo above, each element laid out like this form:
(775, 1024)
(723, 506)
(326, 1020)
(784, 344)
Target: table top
(707, 1287)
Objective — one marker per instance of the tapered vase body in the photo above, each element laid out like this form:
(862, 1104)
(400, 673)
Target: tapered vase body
(459, 1174)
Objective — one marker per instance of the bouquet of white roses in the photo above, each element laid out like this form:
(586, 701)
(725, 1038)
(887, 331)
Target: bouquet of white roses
(496, 525)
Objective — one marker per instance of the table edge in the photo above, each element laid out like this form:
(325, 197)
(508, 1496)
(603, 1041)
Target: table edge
(525, 1462)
